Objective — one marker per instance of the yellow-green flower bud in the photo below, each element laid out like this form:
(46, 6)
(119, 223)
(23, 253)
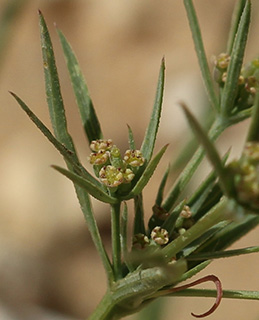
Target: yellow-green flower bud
(111, 176)
(246, 176)
(134, 158)
(128, 175)
(140, 241)
(222, 61)
(186, 212)
(251, 84)
(115, 158)
(99, 158)
(97, 145)
(160, 236)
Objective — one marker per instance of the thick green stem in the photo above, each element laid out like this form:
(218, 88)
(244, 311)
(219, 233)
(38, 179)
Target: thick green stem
(104, 311)
(116, 244)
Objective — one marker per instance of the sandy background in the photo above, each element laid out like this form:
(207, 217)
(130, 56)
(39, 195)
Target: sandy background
(48, 265)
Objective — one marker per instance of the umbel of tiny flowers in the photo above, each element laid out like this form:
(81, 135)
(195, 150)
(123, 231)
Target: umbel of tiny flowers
(248, 81)
(110, 167)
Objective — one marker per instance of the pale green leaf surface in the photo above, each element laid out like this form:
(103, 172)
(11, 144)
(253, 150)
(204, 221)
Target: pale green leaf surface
(151, 132)
(52, 87)
(199, 47)
(131, 139)
(240, 5)
(161, 188)
(223, 254)
(87, 112)
(209, 148)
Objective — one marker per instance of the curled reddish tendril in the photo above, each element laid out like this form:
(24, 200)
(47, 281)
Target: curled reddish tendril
(202, 280)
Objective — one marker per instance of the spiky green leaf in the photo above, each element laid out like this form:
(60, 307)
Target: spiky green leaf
(87, 112)
(52, 88)
(210, 150)
(151, 132)
(199, 47)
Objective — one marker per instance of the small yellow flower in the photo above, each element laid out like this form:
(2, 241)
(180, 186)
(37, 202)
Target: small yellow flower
(186, 212)
(111, 176)
(134, 158)
(99, 158)
(160, 236)
(97, 145)
(140, 241)
(128, 175)
(222, 61)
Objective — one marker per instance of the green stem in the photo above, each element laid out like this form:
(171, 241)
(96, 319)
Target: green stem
(104, 310)
(206, 293)
(216, 129)
(116, 244)
(139, 225)
(213, 217)
(253, 134)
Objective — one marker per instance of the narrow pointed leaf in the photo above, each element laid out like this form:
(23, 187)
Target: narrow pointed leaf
(146, 175)
(52, 86)
(209, 148)
(234, 68)
(231, 294)
(139, 223)
(231, 233)
(87, 185)
(87, 112)
(185, 176)
(169, 223)
(68, 155)
(223, 254)
(161, 188)
(199, 47)
(201, 194)
(203, 239)
(131, 139)
(240, 5)
(151, 132)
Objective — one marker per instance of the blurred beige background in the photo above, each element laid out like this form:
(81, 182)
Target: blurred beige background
(48, 265)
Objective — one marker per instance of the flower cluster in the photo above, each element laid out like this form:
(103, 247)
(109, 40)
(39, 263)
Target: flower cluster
(221, 63)
(248, 83)
(246, 176)
(109, 165)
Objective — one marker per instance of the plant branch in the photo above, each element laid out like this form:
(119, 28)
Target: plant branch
(116, 241)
